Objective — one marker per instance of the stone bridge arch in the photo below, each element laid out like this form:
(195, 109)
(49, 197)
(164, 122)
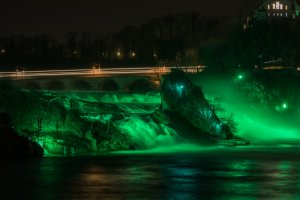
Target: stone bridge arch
(141, 85)
(33, 85)
(55, 85)
(81, 85)
(109, 85)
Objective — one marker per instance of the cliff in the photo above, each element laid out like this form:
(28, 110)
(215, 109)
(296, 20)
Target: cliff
(191, 114)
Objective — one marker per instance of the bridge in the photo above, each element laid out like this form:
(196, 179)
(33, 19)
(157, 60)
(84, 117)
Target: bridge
(95, 79)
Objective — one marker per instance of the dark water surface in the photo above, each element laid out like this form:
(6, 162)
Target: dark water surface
(229, 173)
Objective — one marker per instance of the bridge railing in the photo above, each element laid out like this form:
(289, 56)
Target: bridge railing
(95, 72)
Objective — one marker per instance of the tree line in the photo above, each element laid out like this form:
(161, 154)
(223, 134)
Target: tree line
(174, 39)
(168, 38)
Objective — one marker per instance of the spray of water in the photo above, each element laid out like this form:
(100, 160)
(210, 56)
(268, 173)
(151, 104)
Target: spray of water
(148, 134)
(256, 122)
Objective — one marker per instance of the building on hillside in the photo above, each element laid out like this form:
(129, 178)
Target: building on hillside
(274, 10)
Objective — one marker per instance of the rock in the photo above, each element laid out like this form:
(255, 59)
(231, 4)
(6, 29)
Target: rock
(14, 145)
(160, 117)
(185, 103)
(181, 95)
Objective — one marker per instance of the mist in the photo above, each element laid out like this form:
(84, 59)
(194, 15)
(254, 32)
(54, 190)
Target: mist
(255, 122)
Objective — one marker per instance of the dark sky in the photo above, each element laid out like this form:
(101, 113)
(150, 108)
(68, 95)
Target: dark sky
(58, 16)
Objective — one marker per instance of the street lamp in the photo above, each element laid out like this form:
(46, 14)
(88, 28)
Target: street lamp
(118, 53)
(133, 54)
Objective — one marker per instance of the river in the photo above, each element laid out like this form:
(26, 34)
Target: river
(255, 172)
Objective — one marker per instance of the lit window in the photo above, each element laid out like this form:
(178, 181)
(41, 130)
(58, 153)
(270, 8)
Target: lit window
(281, 14)
(268, 14)
(286, 7)
(286, 14)
(273, 14)
(281, 6)
(274, 6)
(268, 7)
(277, 5)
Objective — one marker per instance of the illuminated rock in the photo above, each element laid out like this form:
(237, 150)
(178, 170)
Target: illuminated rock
(185, 103)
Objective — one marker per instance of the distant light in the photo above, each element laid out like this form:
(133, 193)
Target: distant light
(240, 76)
(180, 89)
(133, 54)
(2, 50)
(284, 106)
(118, 53)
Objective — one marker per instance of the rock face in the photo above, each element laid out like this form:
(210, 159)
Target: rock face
(14, 145)
(63, 124)
(186, 105)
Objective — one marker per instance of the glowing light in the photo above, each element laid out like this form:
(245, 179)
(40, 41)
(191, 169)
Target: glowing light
(284, 106)
(118, 53)
(240, 76)
(179, 89)
(278, 6)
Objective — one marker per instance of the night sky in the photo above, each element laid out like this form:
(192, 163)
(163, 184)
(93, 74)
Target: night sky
(30, 17)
